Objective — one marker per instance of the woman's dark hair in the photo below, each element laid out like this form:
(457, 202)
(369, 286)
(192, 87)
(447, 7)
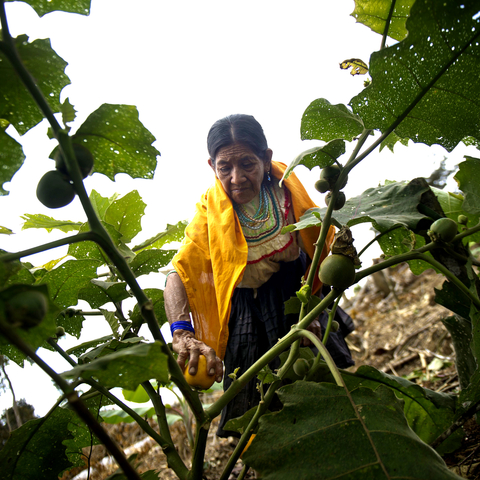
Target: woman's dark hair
(236, 128)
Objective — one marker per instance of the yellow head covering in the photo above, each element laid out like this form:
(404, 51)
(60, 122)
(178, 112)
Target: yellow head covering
(213, 257)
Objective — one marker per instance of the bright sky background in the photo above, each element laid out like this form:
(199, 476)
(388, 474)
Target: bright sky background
(185, 64)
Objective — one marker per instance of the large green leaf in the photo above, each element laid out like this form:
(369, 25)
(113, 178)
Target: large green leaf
(45, 6)
(36, 449)
(468, 178)
(16, 104)
(156, 296)
(387, 206)
(100, 204)
(119, 142)
(173, 233)
(374, 14)
(317, 156)
(126, 368)
(125, 215)
(83, 347)
(65, 281)
(428, 413)
(324, 121)
(323, 433)
(151, 260)
(427, 85)
(48, 223)
(11, 158)
(113, 416)
(99, 293)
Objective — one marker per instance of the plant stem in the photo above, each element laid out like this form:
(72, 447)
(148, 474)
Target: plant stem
(73, 399)
(387, 25)
(331, 316)
(61, 351)
(79, 237)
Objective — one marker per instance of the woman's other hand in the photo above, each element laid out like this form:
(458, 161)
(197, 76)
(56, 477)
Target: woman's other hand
(189, 348)
(316, 329)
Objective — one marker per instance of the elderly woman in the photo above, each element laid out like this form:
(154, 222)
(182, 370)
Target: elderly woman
(235, 268)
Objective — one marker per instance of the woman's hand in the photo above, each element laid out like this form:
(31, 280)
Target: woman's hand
(188, 347)
(316, 329)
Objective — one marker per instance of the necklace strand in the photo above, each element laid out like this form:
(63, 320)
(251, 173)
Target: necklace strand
(261, 216)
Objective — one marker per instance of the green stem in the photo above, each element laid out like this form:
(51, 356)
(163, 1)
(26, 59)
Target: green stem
(331, 316)
(173, 458)
(53, 343)
(79, 237)
(73, 399)
(387, 25)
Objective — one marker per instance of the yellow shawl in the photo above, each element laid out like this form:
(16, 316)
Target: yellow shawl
(213, 257)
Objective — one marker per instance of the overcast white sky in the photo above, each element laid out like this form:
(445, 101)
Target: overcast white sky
(185, 64)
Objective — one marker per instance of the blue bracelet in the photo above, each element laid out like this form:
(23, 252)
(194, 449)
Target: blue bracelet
(182, 326)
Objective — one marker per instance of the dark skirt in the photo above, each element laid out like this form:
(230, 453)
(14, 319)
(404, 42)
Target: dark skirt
(256, 323)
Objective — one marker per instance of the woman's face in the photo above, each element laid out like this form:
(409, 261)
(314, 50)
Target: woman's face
(240, 171)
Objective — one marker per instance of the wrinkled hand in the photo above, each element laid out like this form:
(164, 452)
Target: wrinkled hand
(316, 329)
(188, 347)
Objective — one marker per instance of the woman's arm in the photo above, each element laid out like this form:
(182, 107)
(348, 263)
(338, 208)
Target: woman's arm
(184, 342)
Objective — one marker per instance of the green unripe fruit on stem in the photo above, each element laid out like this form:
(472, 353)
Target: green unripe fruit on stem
(334, 326)
(339, 202)
(301, 367)
(84, 159)
(337, 271)
(443, 229)
(54, 191)
(331, 174)
(26, 309)
(322, 185)
(60, 332)
(462, 219)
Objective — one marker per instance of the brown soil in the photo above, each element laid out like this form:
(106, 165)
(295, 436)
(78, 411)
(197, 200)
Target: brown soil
(398, 330)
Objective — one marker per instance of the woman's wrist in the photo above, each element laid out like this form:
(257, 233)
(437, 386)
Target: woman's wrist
(182, 325)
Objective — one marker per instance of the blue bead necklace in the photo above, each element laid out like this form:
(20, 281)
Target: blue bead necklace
(262, 214)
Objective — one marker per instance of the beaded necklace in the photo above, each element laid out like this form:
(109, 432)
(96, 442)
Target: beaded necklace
(262, 214)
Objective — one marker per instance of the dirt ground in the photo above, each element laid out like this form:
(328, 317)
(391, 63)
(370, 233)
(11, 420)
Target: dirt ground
(398, 330)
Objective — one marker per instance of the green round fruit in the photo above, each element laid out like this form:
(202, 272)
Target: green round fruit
(462, 219)
(301, 367)
(26, 309)
(334, 326)
(443, 229)
(331, 174)
(84, 159)
(339, 202)
(322, 185)
(60, 332)
(54, 191)
(337, 271)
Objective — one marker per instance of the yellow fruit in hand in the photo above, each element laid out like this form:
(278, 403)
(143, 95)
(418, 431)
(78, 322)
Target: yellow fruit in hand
(201, 380)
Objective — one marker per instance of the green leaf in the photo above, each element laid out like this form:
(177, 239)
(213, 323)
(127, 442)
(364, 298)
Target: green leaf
(173, 233)
(375, 14)
(156, 296)
(36, 449)
(48, 223)
(71, 322)
(323, 433)
(317, 156)
(428, 97)
(125, 215)
(82, 348)
(148, 261)
(126, 368)
(119, 142)
(65, 281)
(5, 231)
(100, 204)
(449, 296)
(324, 121)
(68, 112)
(138, 396)
(428, 413)
(98, 293)
(46, 67)
(45, 6)
(113, 416)
(11, 158)
(468, 178)
(387, 206)
(391, 140)
(109, 347)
